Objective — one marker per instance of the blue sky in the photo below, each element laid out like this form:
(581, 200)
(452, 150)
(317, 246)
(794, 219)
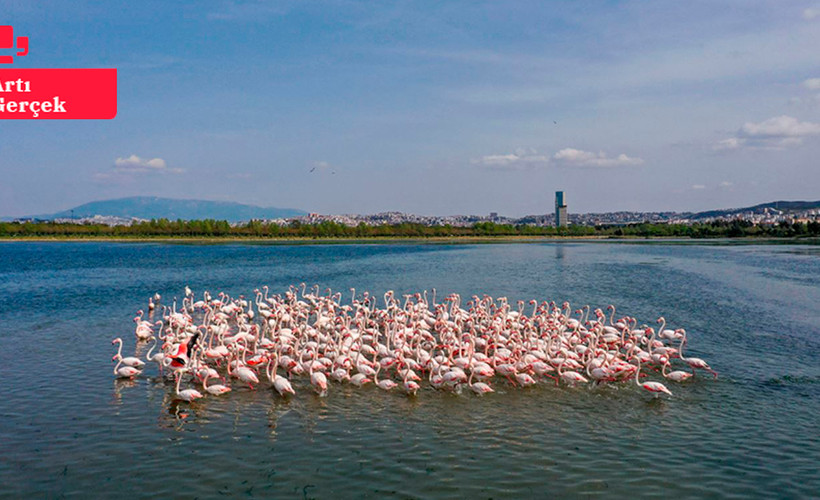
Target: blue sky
(427, 107)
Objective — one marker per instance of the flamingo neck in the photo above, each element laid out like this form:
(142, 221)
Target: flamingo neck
(682, 343)
(148, 355)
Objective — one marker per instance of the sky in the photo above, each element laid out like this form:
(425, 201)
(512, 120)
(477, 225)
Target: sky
(428, 107)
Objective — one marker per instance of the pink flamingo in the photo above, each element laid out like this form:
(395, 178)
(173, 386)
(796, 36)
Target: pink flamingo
(216, 390)
(188, 394)
(570, 377)
(127, 361)
(654, 387)
(280, 383)
(385, 384)
(318, 380)
(695, 363)
(478, 387)
(677, 375)
(125, 371)
(410, 385)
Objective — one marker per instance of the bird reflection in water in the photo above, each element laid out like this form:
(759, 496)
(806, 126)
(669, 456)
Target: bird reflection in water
(121, 384)
(182, 413)
(276, 411)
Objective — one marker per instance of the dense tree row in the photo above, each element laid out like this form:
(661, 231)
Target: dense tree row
(257, 229)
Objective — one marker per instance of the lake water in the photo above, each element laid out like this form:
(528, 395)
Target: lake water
(67, 428)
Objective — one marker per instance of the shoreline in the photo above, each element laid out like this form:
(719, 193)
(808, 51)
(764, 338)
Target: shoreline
(413, 240)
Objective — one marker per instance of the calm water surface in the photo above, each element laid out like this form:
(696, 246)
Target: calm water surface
(67, 428)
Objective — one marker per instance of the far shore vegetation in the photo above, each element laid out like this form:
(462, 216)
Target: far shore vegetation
(199, 229)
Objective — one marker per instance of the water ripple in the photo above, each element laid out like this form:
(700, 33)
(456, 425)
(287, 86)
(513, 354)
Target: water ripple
(69, 429)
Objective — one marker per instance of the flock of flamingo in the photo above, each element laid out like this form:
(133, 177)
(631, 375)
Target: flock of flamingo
(402, 344)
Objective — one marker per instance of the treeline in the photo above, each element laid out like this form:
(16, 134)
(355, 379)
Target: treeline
(256, 229)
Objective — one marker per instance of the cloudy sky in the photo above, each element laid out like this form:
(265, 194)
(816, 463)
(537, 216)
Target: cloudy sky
(427, 107)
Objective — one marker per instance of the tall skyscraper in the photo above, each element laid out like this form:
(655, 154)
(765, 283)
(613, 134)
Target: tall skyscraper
(560, 210)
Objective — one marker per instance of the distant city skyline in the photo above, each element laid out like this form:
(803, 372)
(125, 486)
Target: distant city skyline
(124, 211)
(770, 216)
(428, 108)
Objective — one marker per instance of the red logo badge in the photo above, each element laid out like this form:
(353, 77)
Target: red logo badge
(52, 93)
(7, 42)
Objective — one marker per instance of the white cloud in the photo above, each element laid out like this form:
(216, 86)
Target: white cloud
(722, 185)
(728, 144)
(577, 157)
(521, 158)
(779, 132)
(780, 126)
(812, 84)
(136, 164)
(126, 168)
(811, 13)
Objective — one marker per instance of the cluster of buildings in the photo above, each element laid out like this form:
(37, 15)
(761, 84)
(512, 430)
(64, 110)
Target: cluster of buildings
(103, 220)
(561, 217)
(392, 218)
(761, 215)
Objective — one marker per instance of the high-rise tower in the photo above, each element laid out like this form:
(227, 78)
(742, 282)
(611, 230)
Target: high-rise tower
(560, 210)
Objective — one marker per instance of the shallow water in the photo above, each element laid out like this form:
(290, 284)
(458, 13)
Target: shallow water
(67, 428)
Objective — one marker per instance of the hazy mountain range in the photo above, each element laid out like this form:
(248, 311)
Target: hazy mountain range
(151, 207)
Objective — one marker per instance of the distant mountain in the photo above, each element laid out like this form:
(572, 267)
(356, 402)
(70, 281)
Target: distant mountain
(150, 207)
(784, 206)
